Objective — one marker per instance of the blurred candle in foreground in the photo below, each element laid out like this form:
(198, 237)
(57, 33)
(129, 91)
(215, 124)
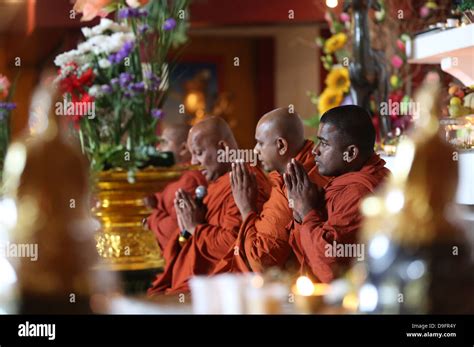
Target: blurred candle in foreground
(309, 296)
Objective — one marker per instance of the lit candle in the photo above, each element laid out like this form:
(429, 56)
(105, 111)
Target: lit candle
(308, 295)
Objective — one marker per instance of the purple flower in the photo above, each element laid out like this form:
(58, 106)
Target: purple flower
(169, 24)
(153, 81)
(127, 95)
(157, 113)
(122, 53)
(114, 81)
(143, 28)
(129, 12)
(8, 106)
(138, 87)
(106, 89)
(124, 79)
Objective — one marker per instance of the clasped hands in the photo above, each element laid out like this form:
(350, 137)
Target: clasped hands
(188, 212)
(244, 188)
(303, 195)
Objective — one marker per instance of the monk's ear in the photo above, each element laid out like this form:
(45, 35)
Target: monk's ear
(282, 146)
(183, 150)
(351, 153)
(222, 144)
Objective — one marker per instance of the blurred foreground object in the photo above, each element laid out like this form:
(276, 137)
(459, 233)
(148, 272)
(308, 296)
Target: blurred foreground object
(46, 179)
(237, 294)
(309, 296)
(417, 261)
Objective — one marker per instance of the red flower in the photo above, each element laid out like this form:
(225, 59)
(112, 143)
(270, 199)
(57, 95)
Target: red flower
(86, 78)
(73, 84)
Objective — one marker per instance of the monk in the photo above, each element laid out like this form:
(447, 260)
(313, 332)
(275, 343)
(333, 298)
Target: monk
(163, 221)
(208, 230)
(263, 239)
(331, 216)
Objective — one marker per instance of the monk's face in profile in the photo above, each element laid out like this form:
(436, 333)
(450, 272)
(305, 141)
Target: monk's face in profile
(267, 147)
(330, 152)
(204, 153)
(169, 143)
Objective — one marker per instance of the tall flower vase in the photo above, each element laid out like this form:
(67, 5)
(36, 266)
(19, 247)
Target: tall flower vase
(124, 246)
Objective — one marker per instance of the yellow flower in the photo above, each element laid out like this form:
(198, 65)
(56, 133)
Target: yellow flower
(335, 42)
(338, 78)
(330, 98)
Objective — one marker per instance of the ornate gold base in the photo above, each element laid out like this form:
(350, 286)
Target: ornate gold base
(122, 243)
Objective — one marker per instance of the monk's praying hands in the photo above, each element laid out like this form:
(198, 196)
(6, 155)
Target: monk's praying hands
(244, 189)
(188, 212)
(303, 195)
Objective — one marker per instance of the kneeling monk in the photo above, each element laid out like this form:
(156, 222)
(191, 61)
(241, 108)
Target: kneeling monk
(331, 217)
(210, 232)
(163, 221)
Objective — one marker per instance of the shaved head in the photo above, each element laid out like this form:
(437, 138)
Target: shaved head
(173, 139)
(205, 139)
(280, 137)
(179, 131)
(285, 124)
(214, 129)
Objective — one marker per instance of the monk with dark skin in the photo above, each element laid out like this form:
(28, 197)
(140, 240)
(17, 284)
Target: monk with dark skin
(263, 237)
(214, 226)
(163, 221)
(331, 216)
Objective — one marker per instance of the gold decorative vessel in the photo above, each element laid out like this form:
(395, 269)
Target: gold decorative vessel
(122, 242)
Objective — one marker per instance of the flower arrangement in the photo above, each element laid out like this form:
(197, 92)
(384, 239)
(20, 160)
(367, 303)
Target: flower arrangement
(114, 83)
(336, 55)
(6, 106)
(335, 59)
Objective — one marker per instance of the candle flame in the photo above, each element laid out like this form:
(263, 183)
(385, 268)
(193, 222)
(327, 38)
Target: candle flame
(304, 286)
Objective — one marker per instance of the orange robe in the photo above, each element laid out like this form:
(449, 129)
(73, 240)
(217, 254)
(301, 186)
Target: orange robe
(210, 242)
(263, 238)
(340, 222)
(163, 221)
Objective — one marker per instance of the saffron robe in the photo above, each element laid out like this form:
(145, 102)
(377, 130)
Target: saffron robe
(339, 222)
(211, 241)
(163, 221)
(263, 238)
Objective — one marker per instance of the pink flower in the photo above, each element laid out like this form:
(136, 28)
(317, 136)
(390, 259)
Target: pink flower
(397, 62)
(424, 12)
(401, 45)
(136, 3)
(345, 17)
(4, 86)
(92, 8)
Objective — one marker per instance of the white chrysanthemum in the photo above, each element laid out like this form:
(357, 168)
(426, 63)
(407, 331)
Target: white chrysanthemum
(84, 47)
(104, 63)
(87, 32)
(105, 25)
(95, 90)
(74, 56)
(106, 44)
(117, 40)
(66, 57)
(133, 3)
(94, 44)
